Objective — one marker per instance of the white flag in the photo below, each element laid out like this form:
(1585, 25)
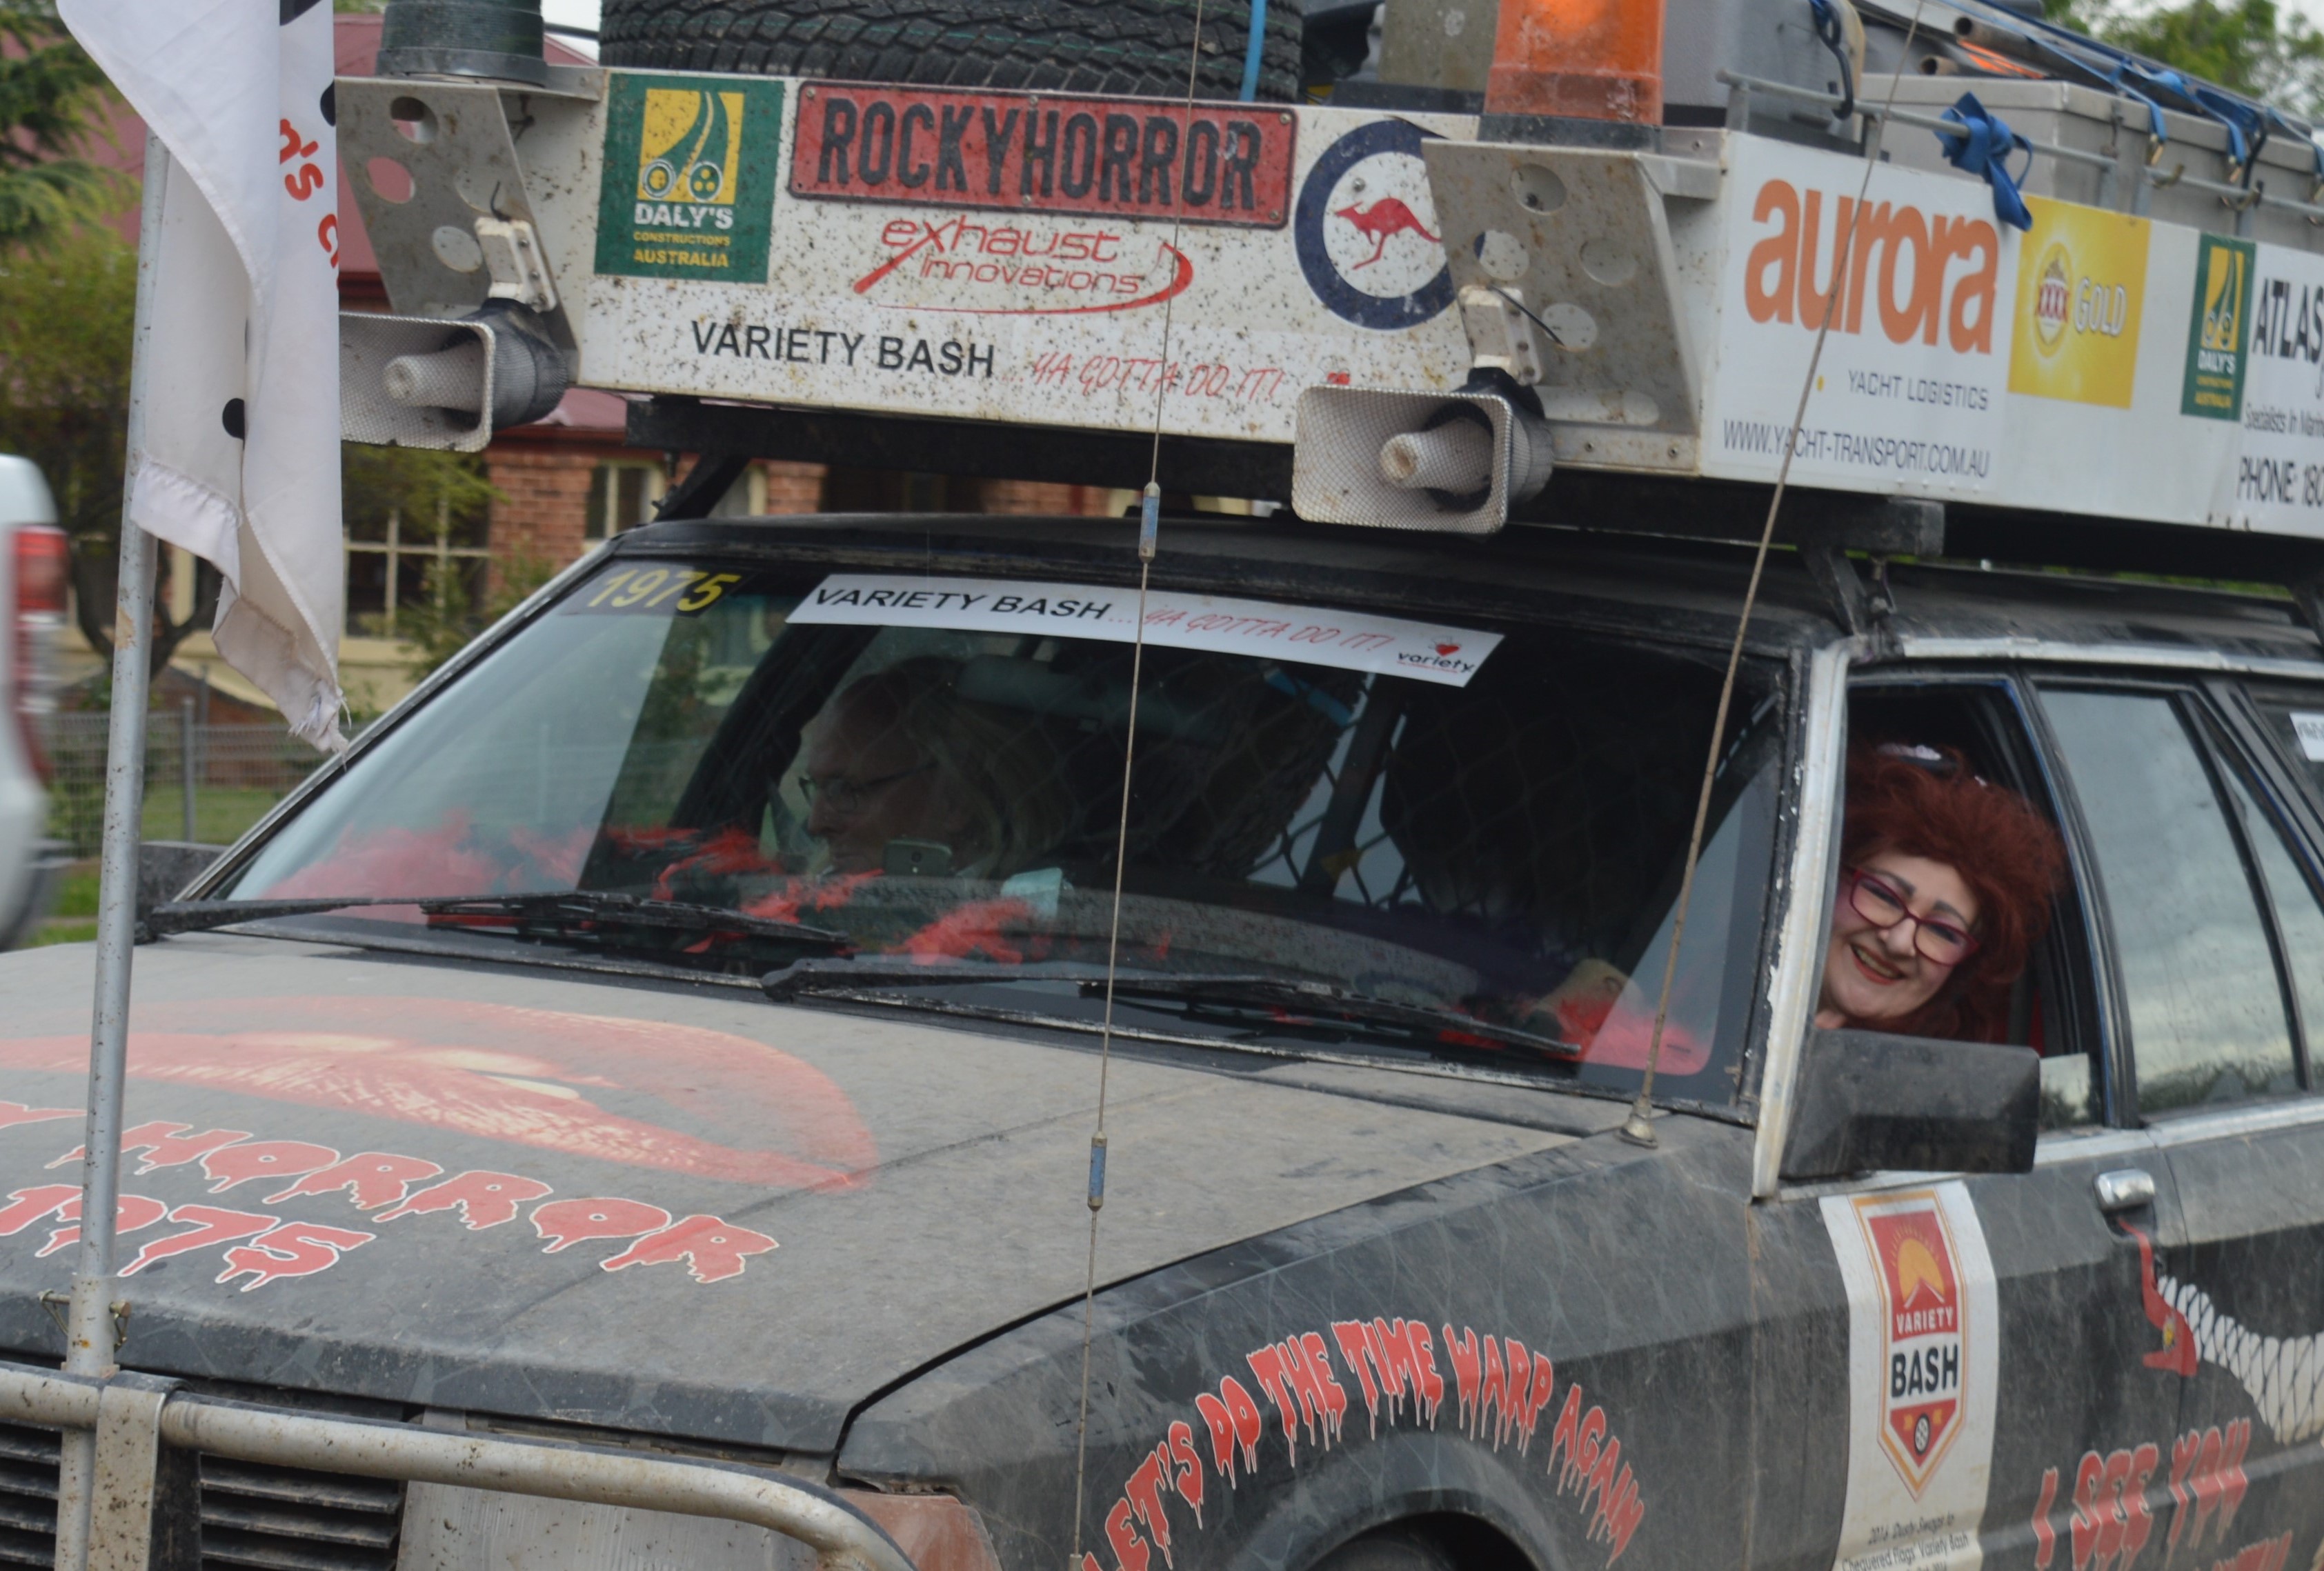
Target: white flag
(240, 462)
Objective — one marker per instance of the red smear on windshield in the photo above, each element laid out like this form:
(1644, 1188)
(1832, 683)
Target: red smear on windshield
(1621, 1038)
(802, 895)
(439, 863)
(973, 929)
(394, 861)
(723, 855)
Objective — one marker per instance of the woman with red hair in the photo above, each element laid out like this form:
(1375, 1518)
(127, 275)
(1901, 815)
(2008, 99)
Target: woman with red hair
(1945, 887)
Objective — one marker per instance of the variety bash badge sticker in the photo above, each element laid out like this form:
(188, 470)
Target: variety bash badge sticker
(2080, 294)
(2214, 386)
(688, 188)
(1923, 1329)
(1920, 1318)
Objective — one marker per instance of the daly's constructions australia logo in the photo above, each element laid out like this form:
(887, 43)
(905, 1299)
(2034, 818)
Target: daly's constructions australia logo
(688, 188)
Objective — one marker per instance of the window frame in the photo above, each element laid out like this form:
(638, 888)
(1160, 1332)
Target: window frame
(597, 524)
(2295, 794)
(2075, 937)
(2200, 717)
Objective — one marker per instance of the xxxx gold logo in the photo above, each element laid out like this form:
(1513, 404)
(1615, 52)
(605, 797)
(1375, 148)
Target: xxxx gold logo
(690, 146)
(2080, 293)
(2053, 297)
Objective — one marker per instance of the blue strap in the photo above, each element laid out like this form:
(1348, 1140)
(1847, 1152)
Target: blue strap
(2247, 127)
(1254, 49)
(1983, 150)
(2247, 122)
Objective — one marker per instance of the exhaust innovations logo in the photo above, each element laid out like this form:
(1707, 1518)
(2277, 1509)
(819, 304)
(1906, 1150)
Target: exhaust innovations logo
(688, 188)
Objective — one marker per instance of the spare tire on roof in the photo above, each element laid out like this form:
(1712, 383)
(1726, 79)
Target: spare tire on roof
(1129, 47)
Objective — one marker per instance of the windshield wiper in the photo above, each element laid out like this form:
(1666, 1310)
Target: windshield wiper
(1308, 1007)
(1290, 1004)
(584, 915)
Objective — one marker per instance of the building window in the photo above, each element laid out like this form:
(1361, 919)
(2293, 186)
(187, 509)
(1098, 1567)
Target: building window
(622, 496)
(418, 538)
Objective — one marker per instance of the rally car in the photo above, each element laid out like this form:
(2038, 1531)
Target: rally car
(681, 1029)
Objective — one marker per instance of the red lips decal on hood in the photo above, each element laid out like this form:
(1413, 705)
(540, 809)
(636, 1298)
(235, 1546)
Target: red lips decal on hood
(528, 1076)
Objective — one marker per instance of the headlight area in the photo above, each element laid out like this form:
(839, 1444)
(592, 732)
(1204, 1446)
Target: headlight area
(447, 1528)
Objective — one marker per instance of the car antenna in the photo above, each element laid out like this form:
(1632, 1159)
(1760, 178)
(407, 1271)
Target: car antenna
(1149, 514)
(1638, 1128)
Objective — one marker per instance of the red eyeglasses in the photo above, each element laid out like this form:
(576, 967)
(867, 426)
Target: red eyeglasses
(1882, 905)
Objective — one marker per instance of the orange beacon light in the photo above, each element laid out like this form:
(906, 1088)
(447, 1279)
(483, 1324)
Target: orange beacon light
(1594, 59)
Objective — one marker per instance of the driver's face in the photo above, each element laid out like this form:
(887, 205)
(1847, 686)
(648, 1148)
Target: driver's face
(868, 784)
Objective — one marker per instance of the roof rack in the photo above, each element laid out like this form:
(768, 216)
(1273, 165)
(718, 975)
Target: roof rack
(2082, 310)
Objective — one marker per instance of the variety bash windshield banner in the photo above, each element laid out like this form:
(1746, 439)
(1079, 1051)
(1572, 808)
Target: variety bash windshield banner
(688, 183)
(2081, 288)
(1922, 1346)
(1908, 392)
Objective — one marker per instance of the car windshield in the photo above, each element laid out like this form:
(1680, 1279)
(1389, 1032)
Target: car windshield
(1455, 840)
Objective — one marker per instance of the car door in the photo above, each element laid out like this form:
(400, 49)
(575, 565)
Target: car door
(2216, 931)
(1983, 1360)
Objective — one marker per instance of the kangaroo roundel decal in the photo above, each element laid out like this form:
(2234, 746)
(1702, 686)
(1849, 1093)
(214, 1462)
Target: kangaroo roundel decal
(1367, 233)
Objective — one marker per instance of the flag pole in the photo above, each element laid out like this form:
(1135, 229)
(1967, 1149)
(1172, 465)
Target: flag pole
(90, 1341)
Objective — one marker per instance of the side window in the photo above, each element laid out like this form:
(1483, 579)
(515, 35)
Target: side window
(2299, 910)
(2296, 722)
(2053, 1005)
(2205, 1000)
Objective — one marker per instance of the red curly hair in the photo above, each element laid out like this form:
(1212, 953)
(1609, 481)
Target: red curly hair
(2002, 847)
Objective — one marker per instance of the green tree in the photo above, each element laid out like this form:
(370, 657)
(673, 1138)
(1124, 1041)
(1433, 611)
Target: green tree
(66, 306)
(2257, 48)
(50, 97)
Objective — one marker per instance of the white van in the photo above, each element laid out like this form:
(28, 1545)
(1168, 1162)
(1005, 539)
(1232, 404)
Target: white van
(33, 577)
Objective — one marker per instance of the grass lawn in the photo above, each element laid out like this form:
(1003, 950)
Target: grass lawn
(220, 816)
(221, 813)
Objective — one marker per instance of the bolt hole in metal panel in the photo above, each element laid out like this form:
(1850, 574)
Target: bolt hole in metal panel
(1602, 251)
(271, 1519)
(435, 155)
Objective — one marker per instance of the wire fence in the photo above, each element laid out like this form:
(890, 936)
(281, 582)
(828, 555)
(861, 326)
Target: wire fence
(205, 783)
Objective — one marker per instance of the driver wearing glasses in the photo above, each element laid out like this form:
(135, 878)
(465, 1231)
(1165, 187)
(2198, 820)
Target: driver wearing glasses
(899, 759)
(1944, 889)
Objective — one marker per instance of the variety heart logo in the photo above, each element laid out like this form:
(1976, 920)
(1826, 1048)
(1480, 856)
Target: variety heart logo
(1448, 649)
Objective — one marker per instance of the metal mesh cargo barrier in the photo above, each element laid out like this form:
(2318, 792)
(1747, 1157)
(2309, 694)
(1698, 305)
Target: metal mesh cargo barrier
(202, 782)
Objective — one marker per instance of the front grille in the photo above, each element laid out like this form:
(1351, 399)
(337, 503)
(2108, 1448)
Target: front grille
(287, 1519)
(273, 1519)
(28, 1496)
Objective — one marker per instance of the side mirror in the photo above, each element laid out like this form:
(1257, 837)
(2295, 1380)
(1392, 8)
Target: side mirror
(1867, 1102)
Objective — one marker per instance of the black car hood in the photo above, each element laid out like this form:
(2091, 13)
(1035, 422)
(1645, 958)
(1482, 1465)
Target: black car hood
(672, 1208)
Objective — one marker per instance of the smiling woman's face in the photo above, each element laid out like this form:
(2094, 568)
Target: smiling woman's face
(1874, 973)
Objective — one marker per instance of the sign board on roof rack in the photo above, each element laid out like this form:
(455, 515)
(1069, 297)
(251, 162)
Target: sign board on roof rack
(1012, 258)
(1009, 256)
